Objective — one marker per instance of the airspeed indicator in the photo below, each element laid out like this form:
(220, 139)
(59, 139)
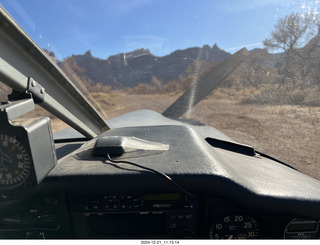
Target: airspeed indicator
(15, 162)
(234, 227)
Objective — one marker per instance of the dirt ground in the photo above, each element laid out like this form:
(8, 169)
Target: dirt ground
(287, 132)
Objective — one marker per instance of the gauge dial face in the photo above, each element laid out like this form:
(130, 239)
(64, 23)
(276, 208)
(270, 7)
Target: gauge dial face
(234, 227)
(15, 162)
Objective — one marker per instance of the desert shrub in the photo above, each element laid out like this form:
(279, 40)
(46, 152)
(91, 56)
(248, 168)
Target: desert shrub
(156, 87)
(141, 88)
(277, 94)
(99, 88)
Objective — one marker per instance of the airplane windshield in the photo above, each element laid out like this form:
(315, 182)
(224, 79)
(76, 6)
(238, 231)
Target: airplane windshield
(139, 54)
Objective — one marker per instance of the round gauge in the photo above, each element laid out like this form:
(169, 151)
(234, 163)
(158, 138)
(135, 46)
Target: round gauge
(15, 161)
(234, 227)
(302, 229)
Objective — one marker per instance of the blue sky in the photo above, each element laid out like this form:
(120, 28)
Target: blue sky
(108, 27)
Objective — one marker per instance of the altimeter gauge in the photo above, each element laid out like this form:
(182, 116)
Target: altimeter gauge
(15, 162)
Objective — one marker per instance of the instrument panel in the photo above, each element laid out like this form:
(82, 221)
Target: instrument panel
(192, 189)
(165, 215)
(151, 216)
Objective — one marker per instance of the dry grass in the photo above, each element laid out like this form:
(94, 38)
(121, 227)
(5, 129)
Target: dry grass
(288, 132)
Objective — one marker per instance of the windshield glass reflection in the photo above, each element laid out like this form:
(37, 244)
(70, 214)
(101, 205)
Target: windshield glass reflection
(128, 56)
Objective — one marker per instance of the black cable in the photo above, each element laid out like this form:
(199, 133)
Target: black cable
(153, 171)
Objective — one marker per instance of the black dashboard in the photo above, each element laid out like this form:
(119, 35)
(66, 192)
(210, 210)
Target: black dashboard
(151, 216)
(172, 180)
